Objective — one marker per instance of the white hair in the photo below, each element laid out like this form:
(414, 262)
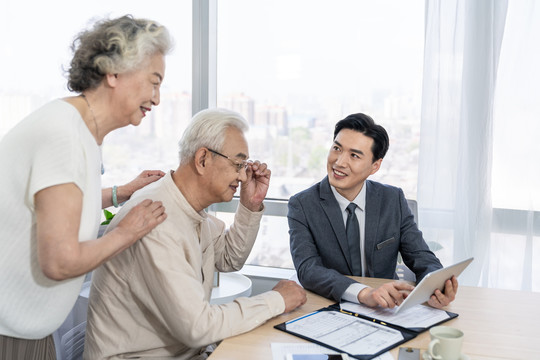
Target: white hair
(207, 129)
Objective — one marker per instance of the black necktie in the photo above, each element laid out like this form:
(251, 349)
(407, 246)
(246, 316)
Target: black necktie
(353, 238)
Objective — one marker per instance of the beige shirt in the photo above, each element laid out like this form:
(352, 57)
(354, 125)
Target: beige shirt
(152, 299)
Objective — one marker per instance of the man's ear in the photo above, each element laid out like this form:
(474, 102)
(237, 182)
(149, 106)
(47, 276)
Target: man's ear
(375, 166)
(202, 158)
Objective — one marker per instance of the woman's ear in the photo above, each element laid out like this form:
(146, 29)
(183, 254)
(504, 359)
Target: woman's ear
(112, 80)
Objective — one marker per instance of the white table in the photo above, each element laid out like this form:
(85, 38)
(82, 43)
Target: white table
(231, 286)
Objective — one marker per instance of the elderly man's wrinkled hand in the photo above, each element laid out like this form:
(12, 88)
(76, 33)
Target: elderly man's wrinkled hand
(293, 294)
(254, 188)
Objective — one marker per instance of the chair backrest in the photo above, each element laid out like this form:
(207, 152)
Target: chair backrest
(69, 338)
(403, 272)
(413, 205)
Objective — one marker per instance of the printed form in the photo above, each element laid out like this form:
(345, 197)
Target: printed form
(347, 333)
(419, 316)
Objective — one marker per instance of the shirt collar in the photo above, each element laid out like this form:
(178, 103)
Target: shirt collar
(181, 200)
(359, 200)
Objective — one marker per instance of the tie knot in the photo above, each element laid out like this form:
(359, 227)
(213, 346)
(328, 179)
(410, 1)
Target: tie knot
(351, 208)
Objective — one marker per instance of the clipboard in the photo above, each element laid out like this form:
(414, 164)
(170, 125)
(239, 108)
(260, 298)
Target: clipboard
(344, 332)
(310, 324)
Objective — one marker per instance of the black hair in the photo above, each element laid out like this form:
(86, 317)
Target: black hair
(366, 125)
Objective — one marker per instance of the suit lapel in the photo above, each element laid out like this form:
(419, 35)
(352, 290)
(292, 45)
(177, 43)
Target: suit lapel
(331, 208)
(373, 209)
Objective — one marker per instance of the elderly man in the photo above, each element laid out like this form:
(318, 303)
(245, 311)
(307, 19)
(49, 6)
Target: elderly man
(153, 299)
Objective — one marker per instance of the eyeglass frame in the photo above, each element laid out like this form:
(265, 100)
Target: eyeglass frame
(239, 166)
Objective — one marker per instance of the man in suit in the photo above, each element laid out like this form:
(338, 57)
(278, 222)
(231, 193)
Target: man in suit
(381, 225)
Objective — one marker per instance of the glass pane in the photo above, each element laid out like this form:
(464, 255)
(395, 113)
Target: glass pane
(272, 245)
(516, 168)
(508, 261)
(36, 45)
(294, 68)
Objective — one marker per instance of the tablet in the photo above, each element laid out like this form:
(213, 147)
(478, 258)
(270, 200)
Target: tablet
(434, 280)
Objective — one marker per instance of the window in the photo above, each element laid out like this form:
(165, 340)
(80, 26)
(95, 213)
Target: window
(294, 68)
(291, 68)
(35, 47)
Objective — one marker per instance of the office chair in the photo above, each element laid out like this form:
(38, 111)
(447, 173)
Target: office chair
(402, 271)
(69, 338)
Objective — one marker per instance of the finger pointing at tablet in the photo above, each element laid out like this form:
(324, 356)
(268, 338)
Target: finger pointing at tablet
(388, 295)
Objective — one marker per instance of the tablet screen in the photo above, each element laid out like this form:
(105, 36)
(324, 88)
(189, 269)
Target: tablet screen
(432, 281)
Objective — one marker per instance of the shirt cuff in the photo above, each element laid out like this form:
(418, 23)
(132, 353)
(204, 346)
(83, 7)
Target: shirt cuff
(351, 294)
(275, 302)
(251, 216)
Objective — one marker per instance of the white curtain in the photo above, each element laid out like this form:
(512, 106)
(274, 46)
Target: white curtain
(479, 110)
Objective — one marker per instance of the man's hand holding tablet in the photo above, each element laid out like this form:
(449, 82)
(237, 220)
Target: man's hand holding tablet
(438, 288)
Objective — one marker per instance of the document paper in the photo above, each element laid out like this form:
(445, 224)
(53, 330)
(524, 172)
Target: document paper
(347, 333)
(419, 316)
(280, 350)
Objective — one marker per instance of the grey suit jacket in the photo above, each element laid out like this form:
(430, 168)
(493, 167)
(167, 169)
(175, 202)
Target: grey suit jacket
(319, 244)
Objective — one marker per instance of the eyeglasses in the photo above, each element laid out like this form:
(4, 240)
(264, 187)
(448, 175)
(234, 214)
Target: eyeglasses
(238, 165)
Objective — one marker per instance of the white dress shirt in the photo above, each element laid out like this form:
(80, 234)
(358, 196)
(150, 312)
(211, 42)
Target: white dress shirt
(351, 294)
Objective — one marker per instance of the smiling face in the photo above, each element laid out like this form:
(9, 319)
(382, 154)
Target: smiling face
(350, 162)
(138, 90)
(225, 177)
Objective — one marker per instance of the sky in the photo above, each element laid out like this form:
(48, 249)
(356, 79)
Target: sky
(309, 46)
(36, 43)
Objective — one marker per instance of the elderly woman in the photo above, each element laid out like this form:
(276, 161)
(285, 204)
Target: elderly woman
(51, 189)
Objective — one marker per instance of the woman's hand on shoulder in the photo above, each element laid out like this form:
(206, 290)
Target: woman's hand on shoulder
(140, 220)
